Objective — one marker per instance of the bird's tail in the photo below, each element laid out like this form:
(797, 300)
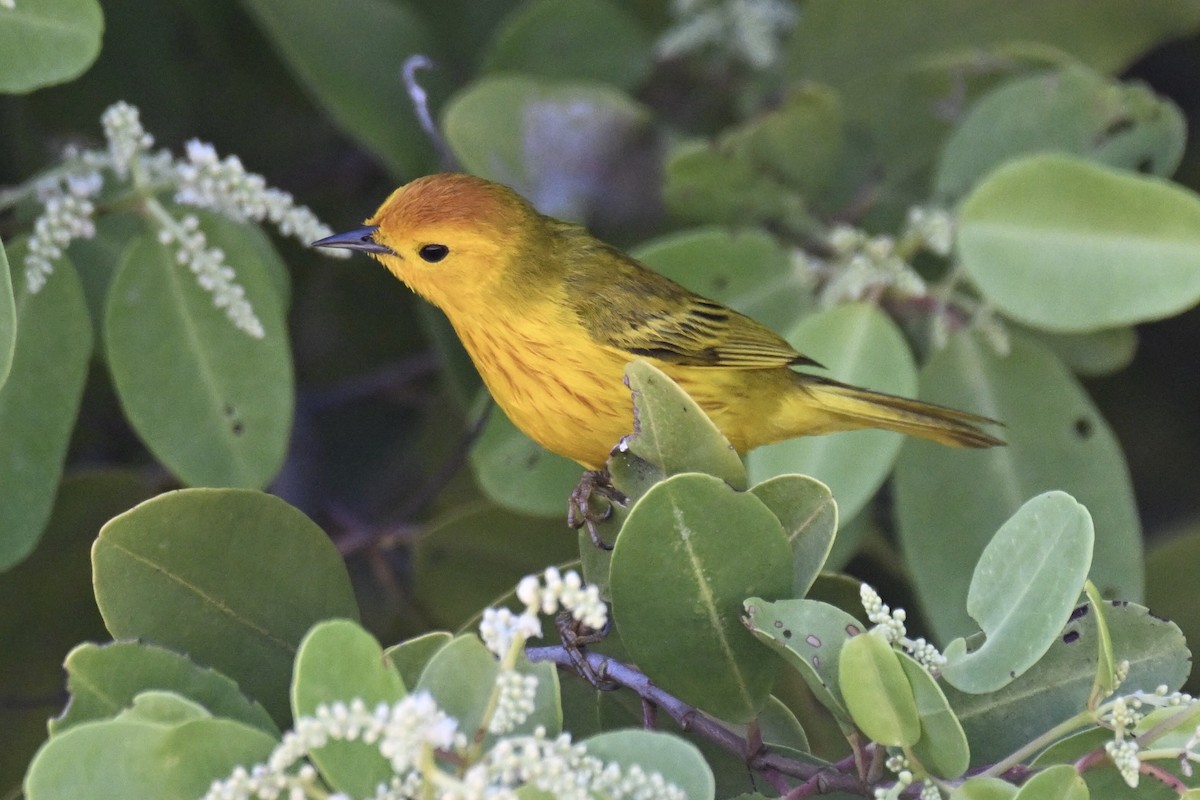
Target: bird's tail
(852, 407)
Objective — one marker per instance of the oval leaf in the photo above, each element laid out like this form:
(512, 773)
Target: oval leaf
(689, 554)
(105, 679)
(519, 474)
(1056, 440)
(942, 748)
(877, 692)
(38, 405)
(1074, 111)
(47, 42)
(1056, 783)
(809, 635)
(232, 578)
(211, 402)
(1067, 246)
(1025, 585)
(163, 748)
(338, 661)
(677, 760)
(1058, 685)
(862, 346)
(809, 515)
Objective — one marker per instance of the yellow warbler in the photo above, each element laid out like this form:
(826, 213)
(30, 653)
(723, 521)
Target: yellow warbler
(551, 316)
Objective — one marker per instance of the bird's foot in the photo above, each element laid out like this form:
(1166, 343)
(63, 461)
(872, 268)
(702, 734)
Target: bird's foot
(595, 482)
(575, 637)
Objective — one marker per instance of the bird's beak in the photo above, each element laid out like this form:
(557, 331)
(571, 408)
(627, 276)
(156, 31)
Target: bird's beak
(360, 239)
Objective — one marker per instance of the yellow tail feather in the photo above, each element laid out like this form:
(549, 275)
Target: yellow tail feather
(853, 407)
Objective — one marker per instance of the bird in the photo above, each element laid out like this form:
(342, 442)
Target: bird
(551, 316)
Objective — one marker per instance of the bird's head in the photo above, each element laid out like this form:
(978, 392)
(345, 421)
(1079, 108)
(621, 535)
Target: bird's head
(450, 237)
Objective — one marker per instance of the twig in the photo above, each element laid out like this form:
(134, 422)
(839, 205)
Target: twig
(691, 719)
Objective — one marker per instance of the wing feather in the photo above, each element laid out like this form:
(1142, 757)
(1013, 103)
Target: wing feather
(624, 305)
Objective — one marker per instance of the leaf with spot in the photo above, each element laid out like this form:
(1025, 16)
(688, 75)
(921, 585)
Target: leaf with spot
(691, 551)
(213, 403)
(1058, 685)
(1056, 440)
(1022, 591)
(232, 578)
(808, 635)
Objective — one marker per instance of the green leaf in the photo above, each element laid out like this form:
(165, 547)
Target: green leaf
(410, 656)
(1073, 111)
(47, 42)
(1056, 783)
(707, 183)
(672, 433)
(232, 578)
(1106, 675)
(462, 675)
(1069, 246)
(860, 345)
(8, 318)
(678, 761)
(691, 550)
(1057, 687)
(1026, 583)
(350, 56)
(558, 39)
(809, 515)
(213, 403)
(164, 748)
(98, 258)
(942, 748)
(568, 148)
(809, 635)
(747, 270)
(338, 661)
(811, 114)
(38, 404)
(984, 789)
(518, 474)
(1056, 440)
(877, 692)
(495, 547)
(105, 679)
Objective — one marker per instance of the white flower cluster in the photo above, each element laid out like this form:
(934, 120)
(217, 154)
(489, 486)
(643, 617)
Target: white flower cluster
(933, 228)
(516, 702)
(567, 772)
(1124, 714)
(891, 625)
(212, 273)
(408, 732)
(864, 265)
(202, 180)
(67, 214)
(744, 30)
(224, 185)
(500, 627)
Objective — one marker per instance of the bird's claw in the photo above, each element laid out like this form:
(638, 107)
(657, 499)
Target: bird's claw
(579, 511)
(575, 637)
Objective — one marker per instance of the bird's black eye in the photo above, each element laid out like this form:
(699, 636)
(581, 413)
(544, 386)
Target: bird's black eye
(433, 253)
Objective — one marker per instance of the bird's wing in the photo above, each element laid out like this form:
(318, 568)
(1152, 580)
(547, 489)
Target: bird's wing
(627, 306)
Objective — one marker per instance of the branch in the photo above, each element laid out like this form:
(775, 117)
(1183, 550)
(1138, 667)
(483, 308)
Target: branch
(818, 779)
